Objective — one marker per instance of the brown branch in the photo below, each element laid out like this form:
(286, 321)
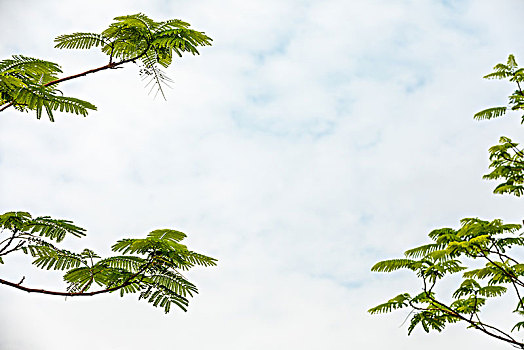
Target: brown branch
(501, 256)
(65, 294)
(110, 65)
(511, 276)
(17, 247)
(8, 243)
(517, 151)
(6, 106)
(82, 293)
(107, 66)
(57, 81)
(475, 308)
(480, 326)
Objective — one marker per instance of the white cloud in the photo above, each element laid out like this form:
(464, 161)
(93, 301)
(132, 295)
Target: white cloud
(311, 140)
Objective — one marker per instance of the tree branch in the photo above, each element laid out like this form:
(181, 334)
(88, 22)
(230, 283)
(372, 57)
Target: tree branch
(107, 66)
(9, 241)
(110, 65)
(506, 337)
(76, 294)
(6, 106)
(65, 294)
(511, 276)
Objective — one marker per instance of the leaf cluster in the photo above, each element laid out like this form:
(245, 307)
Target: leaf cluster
(29, 84)
(507, 162)
(507, 159)
(25, 84)
(137, 38)
(512, 72)
(150, 267)
(448, 253)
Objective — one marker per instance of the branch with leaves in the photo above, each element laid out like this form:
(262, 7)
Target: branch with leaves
(492, 242)
(478, 240)
(507, 159)
(512, 72)
(150, 267)
(29, 84)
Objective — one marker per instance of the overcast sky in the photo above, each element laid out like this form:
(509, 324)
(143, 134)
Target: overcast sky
(313, 139)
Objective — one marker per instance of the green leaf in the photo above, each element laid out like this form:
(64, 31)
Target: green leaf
(467, 287)
(47, 257)
(398, 302)
(490, 113)
(423, 250)
(492, 291)
(79, 41)
(127, 263)
(392, 265)
(497, 75)
(167, 235)
(512, 63)
(54, 229)
(429, 320)
(518, 326)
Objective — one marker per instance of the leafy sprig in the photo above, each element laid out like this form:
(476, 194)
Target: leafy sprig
(149, 267)
(513, 73)
(28, 84)
(25, 84)
(475, 239)
(139, 39)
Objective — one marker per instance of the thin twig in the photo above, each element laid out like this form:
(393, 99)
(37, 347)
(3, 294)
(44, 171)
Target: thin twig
(73, 294)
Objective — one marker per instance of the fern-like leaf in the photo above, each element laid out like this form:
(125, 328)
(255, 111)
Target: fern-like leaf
(518, 326)
(392, 265)
(167, 235)
(490, 113)
(423, 250)
(54, 229)
(128, 263)
(497, 75)
(80, 41)
(398, 302)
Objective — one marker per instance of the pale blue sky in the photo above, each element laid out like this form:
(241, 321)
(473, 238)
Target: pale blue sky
(311, 140)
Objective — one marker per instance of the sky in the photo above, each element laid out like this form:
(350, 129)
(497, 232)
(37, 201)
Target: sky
(313, 139)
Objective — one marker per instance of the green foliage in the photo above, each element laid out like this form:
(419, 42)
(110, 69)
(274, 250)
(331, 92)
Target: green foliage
(452, 251)
(28, 84)
(398, 302)
(43, 226)
(149, 267)
(507, 159)
(490, 113)
(139, 39)
(392, 265)
(24, 85)
(475, 239)
(513, 73)
(507, 162)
